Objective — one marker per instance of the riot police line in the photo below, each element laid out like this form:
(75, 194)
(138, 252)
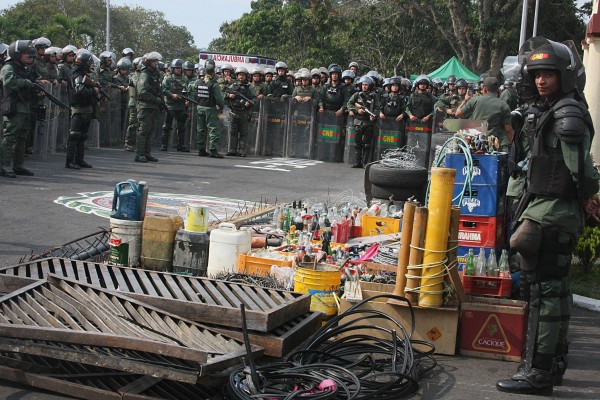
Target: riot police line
(277, 128)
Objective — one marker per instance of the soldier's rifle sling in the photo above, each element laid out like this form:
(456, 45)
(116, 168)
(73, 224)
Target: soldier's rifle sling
(49, 95)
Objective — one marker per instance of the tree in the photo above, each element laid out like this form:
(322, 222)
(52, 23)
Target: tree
(76, 31)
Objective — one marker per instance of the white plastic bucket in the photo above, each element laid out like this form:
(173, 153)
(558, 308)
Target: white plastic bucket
(197, 218)
(125, 242)
(226, 244)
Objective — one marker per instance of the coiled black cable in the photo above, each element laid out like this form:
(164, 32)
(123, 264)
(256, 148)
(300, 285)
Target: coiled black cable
(361, 365)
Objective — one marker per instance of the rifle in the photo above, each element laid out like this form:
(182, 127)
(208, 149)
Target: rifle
(114, 85)
(183, 93)
(235, 92)
(49, 95)
(360, 106)
(87, 81)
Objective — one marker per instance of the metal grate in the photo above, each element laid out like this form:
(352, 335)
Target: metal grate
(194, 298)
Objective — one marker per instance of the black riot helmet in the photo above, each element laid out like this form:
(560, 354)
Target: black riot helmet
(368, 80)
(176, 63)
(210, 66)
(461, 83)
(558, 57)
(188, 66)
(16, 48)
(83, 59)
(451, 80)
(525, 89)
(334, 68)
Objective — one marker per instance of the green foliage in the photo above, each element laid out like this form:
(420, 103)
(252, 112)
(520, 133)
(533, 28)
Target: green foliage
(83, 24)
(588, 248)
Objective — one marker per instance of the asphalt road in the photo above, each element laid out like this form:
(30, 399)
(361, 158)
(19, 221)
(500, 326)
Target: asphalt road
(31, 221)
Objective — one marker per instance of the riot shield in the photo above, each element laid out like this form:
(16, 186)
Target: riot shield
(349, 142)
(418, 140)
(42, 115)
(329, 134)
(275, 137)
(224, 123)
(300, 130)
(390, 136)
(438, 121)
(191, 128)
(110, 120)
(254, 128)
(60, 123)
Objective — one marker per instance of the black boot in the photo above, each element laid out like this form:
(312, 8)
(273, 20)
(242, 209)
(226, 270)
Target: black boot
(164, 140)
(80, 154)
(22, 171)
(365, 155)
(536, 381)
(70, 163)
(560, 362)
(358, 151)
(6, 172)
(213, 153)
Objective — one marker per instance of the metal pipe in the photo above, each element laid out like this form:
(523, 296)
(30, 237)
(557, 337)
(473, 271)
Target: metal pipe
(523, 24)
(107, 25)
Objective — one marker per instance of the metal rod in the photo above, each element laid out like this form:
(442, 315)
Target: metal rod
(535, 17)
(523, 24)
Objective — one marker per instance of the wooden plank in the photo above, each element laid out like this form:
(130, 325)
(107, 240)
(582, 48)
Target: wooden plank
(133, 280)
(18, 314)
(56, 385)
(174, 287)
(139, 385)
(9, 283)
(108, 280)
(247, 300)
(205, 297)
(252, 293)
(53, 307)
(93, 273)
(61, 300)
(160, 286)
(224, 289)
(215, 293)
(146, 281)
(94, 358)
(121, 283)
(263, 294)
(190, 294)
(40, 310)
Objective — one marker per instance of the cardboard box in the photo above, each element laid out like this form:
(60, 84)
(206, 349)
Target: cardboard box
(436, 325)
(493, 328)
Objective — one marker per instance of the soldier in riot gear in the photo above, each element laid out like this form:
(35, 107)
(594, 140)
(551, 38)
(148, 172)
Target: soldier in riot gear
(172, 87)
(364, 107)
(437, 86)
(132, 120)
(188, 70)
(65, 68)
(562, 188)
(392, 105)
(240, 98)
(269, 72)
(16, 108)
(333, 96)
(227, 79)
(51, 60)
(421, 103)
(448, 102)
(281, 86)
(84, 108)
(149, 103)
(105, 75)
(353, 66)
(260, 89)
(509, 95)
(122, 79)
(128, 53)
(210, 102)
(3, 53)
(304, 92)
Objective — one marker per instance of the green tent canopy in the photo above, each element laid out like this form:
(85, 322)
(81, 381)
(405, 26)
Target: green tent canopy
(453, 67)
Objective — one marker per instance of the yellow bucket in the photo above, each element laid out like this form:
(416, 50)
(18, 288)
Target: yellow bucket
(321, 284)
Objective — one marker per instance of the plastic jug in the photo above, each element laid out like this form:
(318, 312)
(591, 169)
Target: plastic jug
(226, 244)
(129, 200)
(158, 238)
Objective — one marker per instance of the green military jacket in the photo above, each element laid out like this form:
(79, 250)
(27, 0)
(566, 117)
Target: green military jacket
(52, 71)
(223, 83)
(16, 85)
(122, 80)
(448, 101)
(304, 92)
(173, 84)
(368, 100)
(493, 110)
(40, 69)
(418, 100)
(147, 89)
(259, 89)
(132, 94)
(105, 77)
(64, 72)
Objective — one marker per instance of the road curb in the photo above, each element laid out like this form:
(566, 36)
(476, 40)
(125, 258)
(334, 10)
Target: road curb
(586, 302)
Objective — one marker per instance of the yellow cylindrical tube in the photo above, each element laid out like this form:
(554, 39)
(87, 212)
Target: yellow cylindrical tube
(413, 273)
(404, 252)
(436, 236)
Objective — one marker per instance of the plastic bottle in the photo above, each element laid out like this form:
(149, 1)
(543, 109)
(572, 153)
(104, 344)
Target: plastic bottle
(470, 266)
(281, 220)
(504, 265)
(493, 264)
(288, 219)
(276, 213)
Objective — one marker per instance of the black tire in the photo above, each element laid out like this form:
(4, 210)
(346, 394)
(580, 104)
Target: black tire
(397, 177)
(399, 194)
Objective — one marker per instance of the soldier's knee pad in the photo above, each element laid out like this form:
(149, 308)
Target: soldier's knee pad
(555, 253)
(74, 135)
(526, 240)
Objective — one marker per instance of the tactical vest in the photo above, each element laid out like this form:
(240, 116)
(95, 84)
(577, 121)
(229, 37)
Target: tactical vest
(367, 101)
(334, 98)
(392, 107)
(205, 93)
(176, 84)
(548, 174)
(279, 87)
(422, 104)
(239, 104)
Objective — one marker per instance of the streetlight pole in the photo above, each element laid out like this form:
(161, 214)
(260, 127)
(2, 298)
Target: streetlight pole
(523, 24)
(107, 25)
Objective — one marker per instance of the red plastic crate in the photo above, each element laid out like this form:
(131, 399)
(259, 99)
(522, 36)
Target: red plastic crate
(476, 231)
(341, 230)
(487, 285)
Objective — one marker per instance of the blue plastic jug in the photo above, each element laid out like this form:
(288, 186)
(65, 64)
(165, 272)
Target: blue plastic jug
(127, 201)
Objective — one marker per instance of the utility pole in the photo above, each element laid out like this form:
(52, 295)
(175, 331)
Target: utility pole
(107, 25)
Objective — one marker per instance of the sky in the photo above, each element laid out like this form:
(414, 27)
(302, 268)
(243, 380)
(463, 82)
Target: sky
(201, 18)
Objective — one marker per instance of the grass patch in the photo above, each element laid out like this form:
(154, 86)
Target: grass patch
(583, 284)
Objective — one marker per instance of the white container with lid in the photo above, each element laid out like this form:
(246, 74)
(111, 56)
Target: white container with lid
(226, 244)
